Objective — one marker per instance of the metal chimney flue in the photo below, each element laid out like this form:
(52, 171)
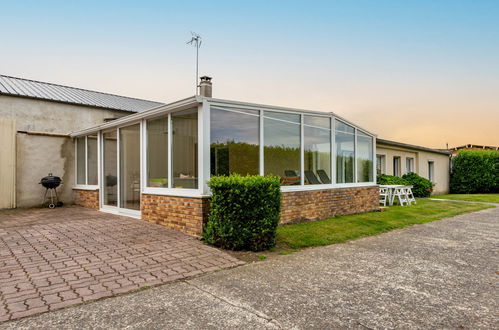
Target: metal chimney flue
(205, 86)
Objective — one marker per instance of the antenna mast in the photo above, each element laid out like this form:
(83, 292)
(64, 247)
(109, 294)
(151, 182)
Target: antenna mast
(196, 42)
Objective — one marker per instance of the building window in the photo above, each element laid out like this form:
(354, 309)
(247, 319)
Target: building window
(282, 146)
(380, 164)
(157, 152)
(364, 157)
(234, 138)
(110, 159)
(92, 159)
(130, 167)
(431, 171)
(409, 165)
(86, 160)
(80, 161)
(345, 152)
(396, 166)
(317, 149)
(185, 148)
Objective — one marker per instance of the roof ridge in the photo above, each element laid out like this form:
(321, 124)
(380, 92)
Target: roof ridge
(78, 88)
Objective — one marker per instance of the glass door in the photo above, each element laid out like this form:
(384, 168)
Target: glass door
(130, 167)
(110, 166)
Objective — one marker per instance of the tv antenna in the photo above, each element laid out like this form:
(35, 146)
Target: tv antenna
(196, 42)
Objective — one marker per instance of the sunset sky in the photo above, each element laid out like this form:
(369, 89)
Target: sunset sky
(421, 72)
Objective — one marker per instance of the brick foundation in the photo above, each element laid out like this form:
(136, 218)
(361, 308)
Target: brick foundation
(185, 214)
(322, 204)
(87, 198)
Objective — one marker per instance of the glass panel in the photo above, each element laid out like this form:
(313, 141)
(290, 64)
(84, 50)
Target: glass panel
(110, 169)
(130, 167)
(157, 152)
(345, 150)
(282, 146)
(317, 145)
(234, 142)
(364, 158)
(92, 159)
(185, 149)
(80, 161)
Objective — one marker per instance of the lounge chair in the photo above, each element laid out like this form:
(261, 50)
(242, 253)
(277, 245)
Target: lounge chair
(323, 176)
(311, 178)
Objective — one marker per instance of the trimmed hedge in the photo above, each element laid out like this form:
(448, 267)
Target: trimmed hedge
(421, 187)
(245, 212)
(475, 171)
(390, 179)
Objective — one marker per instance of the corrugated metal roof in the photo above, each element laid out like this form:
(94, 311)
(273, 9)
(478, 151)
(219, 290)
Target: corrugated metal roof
(47, 91)
(411, 146)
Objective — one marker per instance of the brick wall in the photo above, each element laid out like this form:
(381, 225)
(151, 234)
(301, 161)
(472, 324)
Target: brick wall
(87, 198)
(185, 214)
(321, 204)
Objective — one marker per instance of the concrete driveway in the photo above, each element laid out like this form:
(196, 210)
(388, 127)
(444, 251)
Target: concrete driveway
(50, 259)
(439, 275)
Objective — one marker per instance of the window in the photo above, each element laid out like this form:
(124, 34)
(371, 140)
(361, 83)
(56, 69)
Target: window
(86, 160)
(282, 146)
(345, 151)
(235, 143)
(317, 149)
(380, 164)
(92, 160)
(364, 157)
(130, 167)
(185, 148)
(80, 161)
(409, 165)
(431, 171)
(396, 166)
(157, 152)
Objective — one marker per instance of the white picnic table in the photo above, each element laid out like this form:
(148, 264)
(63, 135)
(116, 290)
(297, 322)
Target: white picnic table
(391, 189)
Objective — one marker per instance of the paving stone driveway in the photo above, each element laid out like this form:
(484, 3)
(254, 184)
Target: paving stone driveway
(51, 259)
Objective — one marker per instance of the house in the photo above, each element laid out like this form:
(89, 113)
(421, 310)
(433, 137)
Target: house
(35, 121)
(155, 164)
(396, 158)
(455, 150)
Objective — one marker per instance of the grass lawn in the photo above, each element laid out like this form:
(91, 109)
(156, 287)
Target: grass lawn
(490, 198)
(344, 228)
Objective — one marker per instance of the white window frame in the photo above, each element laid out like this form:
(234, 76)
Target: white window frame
(409, 161)
(383, 163)
(431, 174)
(85, 186)
(399, 165)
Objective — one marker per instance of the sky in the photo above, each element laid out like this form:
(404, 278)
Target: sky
(420, 72)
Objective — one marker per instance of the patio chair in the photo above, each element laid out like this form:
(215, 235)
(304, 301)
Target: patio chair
(290, 178)
(323, 176)
(399, 193)
(383, 195)
(311, 178)
(409, 195)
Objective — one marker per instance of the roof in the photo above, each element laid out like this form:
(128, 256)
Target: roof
(475, 146)
(411, 146)
(196, 100)
(46, 91)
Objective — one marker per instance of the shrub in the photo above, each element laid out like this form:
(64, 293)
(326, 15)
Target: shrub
(421, 187)
(245, 212)
(475, 171)
(390, 179)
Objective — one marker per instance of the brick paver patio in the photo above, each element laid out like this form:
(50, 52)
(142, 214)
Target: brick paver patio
(50, 259)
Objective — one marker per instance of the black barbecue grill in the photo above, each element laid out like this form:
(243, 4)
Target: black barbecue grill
(51, 182)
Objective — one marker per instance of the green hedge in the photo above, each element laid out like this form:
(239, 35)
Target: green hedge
(245, 212)
(390, 179)
(421, 187)
(475, 171)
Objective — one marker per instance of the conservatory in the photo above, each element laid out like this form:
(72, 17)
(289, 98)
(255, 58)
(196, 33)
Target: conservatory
(155, 164)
